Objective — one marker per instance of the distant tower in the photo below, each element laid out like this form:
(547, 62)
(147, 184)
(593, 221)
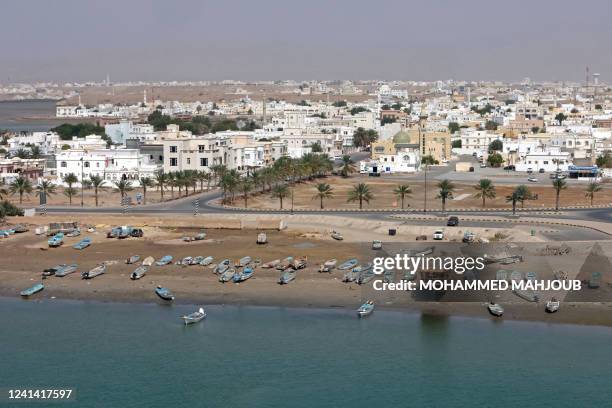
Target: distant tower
(79, 99)
(469, 97)
(144, 97)
(265, 103)
(596, 79)
(107, 80)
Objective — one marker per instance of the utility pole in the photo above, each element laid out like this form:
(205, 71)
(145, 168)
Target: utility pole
(82, 183)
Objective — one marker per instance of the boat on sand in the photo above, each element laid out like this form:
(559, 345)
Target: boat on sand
(495, 309)
(92, 273)
(164, 293)
(32, 290)
(139, 272)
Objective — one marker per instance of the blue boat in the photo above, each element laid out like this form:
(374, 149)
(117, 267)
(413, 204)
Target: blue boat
(244, 275)
(82, 244)
(56, 240)
(351, 263)
(287, 277)
(366, 309)
(32, 290)
(164, 261)
(164, 293)
(66, 270)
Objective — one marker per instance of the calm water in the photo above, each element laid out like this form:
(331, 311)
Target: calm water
(13, 112)
(141, 356)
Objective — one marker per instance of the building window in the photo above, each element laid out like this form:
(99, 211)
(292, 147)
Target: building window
(188, 160)
(86, 164)
(204, 162)
(64, 164)
(173, 162)
(173, 149)
(201, 148)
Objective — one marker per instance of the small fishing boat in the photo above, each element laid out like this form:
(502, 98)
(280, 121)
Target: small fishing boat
(82, 244)
(139, 272)
(164, 260)
(66, 270)
(351, 276)
(271, 264)
(495, 309)
(366, 274)
(124, 232)
(133, 259)
(56, 240)
(207, 261)
(32, 290)
(552, 305)
(194, 317)
(227, 275)
(366, 309)
(97, 271)
(148, 261)
(262, 238)
(350, 264)
(244, 261)
(337, 236)
(287, 277)
(74, 233)
(185, 261)
(222, 266)
(527, 295)
(299, 263)
(285, 263)
(53, 270)
(530, 276)
(200, 236)
(244, 275)
(164, 293)
(516, 276)
(196, 260)
(328, 265)
(20, 228)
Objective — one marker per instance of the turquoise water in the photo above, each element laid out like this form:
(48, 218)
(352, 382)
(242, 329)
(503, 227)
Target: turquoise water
(122, 355)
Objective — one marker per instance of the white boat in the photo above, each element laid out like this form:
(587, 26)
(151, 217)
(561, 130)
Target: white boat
(148, 261)
(337, 236)
(366, 309)
(328, 265)
(271, 264)
(207, 261)
(244, 261)
(132, 259)
(227, 275)
(194, 317)
(285, 263)
(527, 295)
(299, 263)
(495, 309)
(139, 272)
(262, 238)
(552, 305)
(97, 271)
(222, 266)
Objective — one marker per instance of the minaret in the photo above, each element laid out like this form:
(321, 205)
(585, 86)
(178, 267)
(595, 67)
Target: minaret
(469, 97)
(264, 109)
(79, 99)
(144, 97)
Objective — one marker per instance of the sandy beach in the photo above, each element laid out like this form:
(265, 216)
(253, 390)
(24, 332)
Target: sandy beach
(26, 255)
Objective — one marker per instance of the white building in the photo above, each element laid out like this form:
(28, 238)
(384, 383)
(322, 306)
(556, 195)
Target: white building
(550, 160)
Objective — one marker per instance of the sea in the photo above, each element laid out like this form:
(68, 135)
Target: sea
(141, 355)
(27, 116)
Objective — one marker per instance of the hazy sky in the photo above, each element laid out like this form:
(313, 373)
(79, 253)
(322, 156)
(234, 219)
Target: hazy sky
(306, 39)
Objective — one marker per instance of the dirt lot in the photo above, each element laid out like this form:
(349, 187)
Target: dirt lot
(384, 197)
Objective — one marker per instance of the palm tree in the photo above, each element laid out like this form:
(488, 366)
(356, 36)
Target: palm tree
(523, 193)
(70, 179)
(246, 185)
(361, 192)
(229, 182)
(96, 182)
(348, 166)
(485, 189)
(558, 184)
(45, 188)
(446, 189)
(161, 179)
(281, 191)
(324, 190)
(35, 152)
(21, 186)
(427, 161)
(402, 191)
(203, 177)
(592, 188)
(513, 198)
(145, 182)
(123, 186)
(171, 181)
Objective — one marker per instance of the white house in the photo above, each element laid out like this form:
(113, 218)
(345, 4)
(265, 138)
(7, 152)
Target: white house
(550, 160)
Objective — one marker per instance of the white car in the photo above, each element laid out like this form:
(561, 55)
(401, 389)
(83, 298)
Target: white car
(532, 179)
(438, 235)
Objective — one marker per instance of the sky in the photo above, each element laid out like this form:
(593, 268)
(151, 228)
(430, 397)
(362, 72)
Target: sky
(425, 40)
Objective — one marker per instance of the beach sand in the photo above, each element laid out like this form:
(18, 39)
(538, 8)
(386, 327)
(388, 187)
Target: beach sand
(26, 255)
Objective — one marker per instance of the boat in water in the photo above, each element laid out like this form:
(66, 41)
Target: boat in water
(328, 265)
(262, 238)
(92, 273)
(56, 240)
(166, 260)
(82, 244)
(271, 264)
(148, 261)
(287, 277)
(495, 309)
(244, 261)
(139, 272)
(222, 266)
(66, 270)
(227, 275)
(244, 275)
(366, 309)
(32, 290)
(207, 261)
(194, 317)
(552, 305)
(133, 259)
(164, 293)
(350, 264)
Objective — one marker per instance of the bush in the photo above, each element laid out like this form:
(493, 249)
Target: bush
(9, 210)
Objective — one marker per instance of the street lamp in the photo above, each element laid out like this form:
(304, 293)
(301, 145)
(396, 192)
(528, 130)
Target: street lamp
(82, 183)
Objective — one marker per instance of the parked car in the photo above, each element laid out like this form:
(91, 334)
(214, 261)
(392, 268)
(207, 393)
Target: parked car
(453, 221)
(529, 170)
(541, 170)
(483, 165)
(438, 235)
(511, 167)
(532, 179)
